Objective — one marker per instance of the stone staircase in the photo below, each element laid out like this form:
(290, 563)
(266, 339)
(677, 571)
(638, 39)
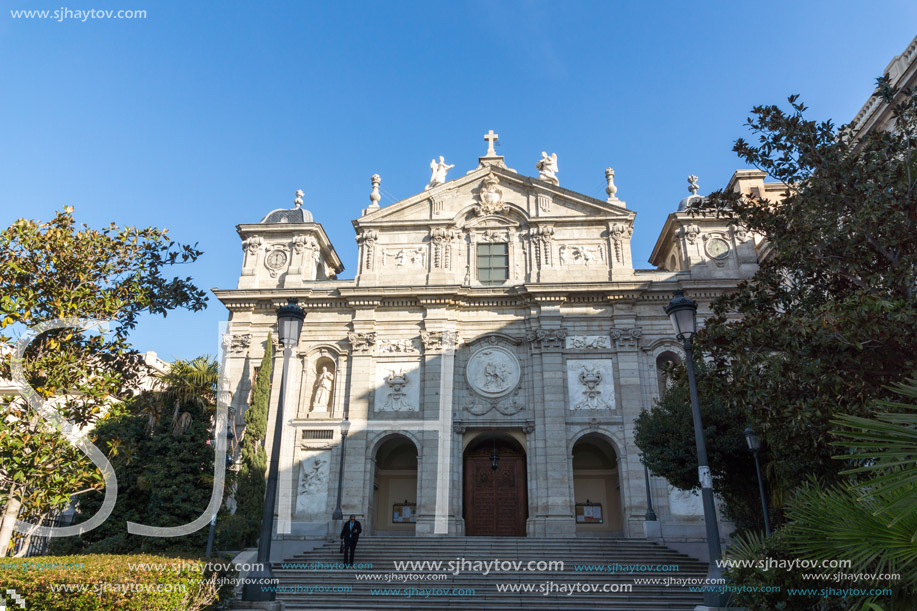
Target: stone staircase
(381, 552)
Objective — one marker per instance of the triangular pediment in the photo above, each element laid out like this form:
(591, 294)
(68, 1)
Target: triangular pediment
(525, 198)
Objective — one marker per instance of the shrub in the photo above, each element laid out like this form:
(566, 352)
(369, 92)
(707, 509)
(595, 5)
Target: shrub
(115, 583)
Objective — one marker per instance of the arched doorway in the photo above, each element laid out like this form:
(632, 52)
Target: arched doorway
(495, 500)
(394, 503)
(596, 488)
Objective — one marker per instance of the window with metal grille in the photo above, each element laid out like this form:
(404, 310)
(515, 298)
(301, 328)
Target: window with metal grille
(493, 263)
(317, 434)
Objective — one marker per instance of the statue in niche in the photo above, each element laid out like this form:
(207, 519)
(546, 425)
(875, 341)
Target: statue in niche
(547, 167)
(323, 388)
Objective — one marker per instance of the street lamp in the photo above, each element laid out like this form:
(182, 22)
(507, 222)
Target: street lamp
(754, 444)
(338, 511)
(289, 325)
(683, 314)
(650, 514)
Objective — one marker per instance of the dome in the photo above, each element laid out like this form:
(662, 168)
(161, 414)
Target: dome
(297, 214)
(690, 202)
(288, 215)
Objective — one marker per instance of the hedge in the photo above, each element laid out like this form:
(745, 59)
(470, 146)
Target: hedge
(114, 583)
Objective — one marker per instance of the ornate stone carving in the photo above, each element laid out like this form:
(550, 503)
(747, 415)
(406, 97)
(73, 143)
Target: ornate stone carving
(547, 338)
(252, 245)
(588, 342)
(626, 338)
(405, 257)
(397, 399)
(580, 254)
(620, 232)
(590, 377)
(547, 167)
(528, 429)
(434, 341)
(689, 232)
(312, 492)
(493, 235)
(301, 243)
(739, 232)
(240, 342)
(361, 342)
(544, 202)
(395, 345)
(590, 384)
(439, 170)
(367, 240)
(442, 239)
(459, 428)
(493, 372)
(490, 197)
(508, 406)
(541, 237)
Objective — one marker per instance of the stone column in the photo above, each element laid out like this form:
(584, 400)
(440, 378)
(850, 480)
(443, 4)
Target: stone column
(355, 498)
(556, 518)
(627, 337)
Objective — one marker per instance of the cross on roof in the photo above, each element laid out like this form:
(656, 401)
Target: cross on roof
(491, 138)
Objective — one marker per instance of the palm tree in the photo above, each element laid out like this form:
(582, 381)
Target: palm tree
(188, 385)
(871, 521)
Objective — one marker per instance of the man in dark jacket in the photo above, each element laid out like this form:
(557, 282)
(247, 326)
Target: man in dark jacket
(350, 534)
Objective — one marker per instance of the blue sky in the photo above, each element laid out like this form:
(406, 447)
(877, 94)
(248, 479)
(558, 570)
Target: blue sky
(204, 115)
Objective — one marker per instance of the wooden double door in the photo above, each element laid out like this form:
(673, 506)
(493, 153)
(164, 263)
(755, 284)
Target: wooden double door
(495, 500)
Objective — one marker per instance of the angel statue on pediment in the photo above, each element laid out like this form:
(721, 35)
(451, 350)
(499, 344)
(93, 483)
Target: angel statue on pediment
(439, 172)
(547, 167)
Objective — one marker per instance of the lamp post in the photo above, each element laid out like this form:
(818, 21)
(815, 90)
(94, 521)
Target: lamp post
(683, 314)
(754, 444)
(289, 325)
(650, 514)
(338, 510)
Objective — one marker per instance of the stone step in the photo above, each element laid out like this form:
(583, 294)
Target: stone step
(381, 552)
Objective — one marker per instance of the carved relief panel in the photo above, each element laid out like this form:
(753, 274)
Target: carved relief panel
(590, 384)
(397, 386)
(493, 374)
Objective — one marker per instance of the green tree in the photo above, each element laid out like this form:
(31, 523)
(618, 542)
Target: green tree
(665, 435)
(242, 528)
(57, 269)
(830, 318)
(160, 446)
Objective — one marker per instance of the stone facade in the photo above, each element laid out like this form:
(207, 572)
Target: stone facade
(432, 361)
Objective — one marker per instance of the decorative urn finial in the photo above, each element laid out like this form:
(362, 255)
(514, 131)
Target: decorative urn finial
(374, 197)
(298, 201)
(611, 189)
(692, 184)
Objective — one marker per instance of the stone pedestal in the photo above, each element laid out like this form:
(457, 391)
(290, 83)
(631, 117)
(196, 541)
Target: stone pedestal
(652, 530)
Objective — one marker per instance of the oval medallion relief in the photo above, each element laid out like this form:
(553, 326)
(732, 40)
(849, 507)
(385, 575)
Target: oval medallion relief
(493, 372)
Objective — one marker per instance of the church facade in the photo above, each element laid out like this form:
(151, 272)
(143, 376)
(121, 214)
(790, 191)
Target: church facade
(490, 356)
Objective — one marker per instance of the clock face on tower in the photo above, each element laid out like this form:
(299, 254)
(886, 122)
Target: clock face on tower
(717, 248)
